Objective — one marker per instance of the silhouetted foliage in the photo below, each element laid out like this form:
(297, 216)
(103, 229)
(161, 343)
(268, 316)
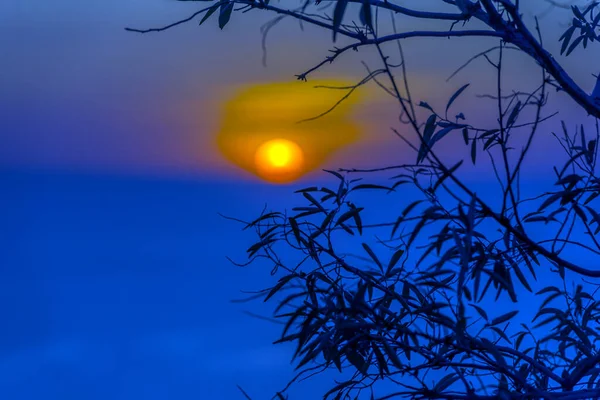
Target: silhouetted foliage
(395, 309)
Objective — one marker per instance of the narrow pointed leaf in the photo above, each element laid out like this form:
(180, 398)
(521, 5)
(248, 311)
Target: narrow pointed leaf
(504, 318)
(455, 95)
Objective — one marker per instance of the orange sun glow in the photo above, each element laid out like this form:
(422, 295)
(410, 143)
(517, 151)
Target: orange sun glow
(279, 160)
(269, 129)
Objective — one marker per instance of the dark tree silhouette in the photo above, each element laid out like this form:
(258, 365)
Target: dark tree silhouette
(414, 303)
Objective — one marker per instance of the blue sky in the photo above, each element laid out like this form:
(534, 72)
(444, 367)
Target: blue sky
(114, 283)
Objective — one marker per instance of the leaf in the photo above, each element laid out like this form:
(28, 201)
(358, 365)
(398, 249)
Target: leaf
(551, 199)
(591, 151)
(545, 322)
(467, 293)
(520, 275)
(571, 180)
(441, 133)
(225, 14)
(513, 115)
(279, 285)
(489, 132)
(262, 218)
(357, 221)
(548, 299)
(494, 351)
(394, 260)
(574, 45)
(520, 339)
(259, 245)
(352, 213)
(324, 225)
(580, 212)
(366, 15)
(426, 140)
(429, 127)
(372, 186)
(473, 151)
(210, 12)
(504, 318)
(306, 211)
(338, 15)
(489, 142)
(417, 228)
(536, 219)
(295, 229)
(373, 256)
(445, 382)
(314, 201)
(393, 356)
(595, 217)
(404, 213)
(381, 363)
(566, 38)
(358, 361)
(548, 310)
(500, 333)
(455, 95)
(481, 311)
(334, 173)
(593, 195)
(308, 189)
(425, 105)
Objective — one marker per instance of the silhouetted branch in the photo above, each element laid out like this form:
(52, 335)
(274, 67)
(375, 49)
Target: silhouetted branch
(395, 309)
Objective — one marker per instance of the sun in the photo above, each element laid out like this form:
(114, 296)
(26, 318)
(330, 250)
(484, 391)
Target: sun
(279, 160)
(260, 130)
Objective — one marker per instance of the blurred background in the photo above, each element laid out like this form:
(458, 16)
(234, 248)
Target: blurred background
(113, 277)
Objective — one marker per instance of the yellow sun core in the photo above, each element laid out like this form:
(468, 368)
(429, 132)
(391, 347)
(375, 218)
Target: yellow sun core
(279, 160)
